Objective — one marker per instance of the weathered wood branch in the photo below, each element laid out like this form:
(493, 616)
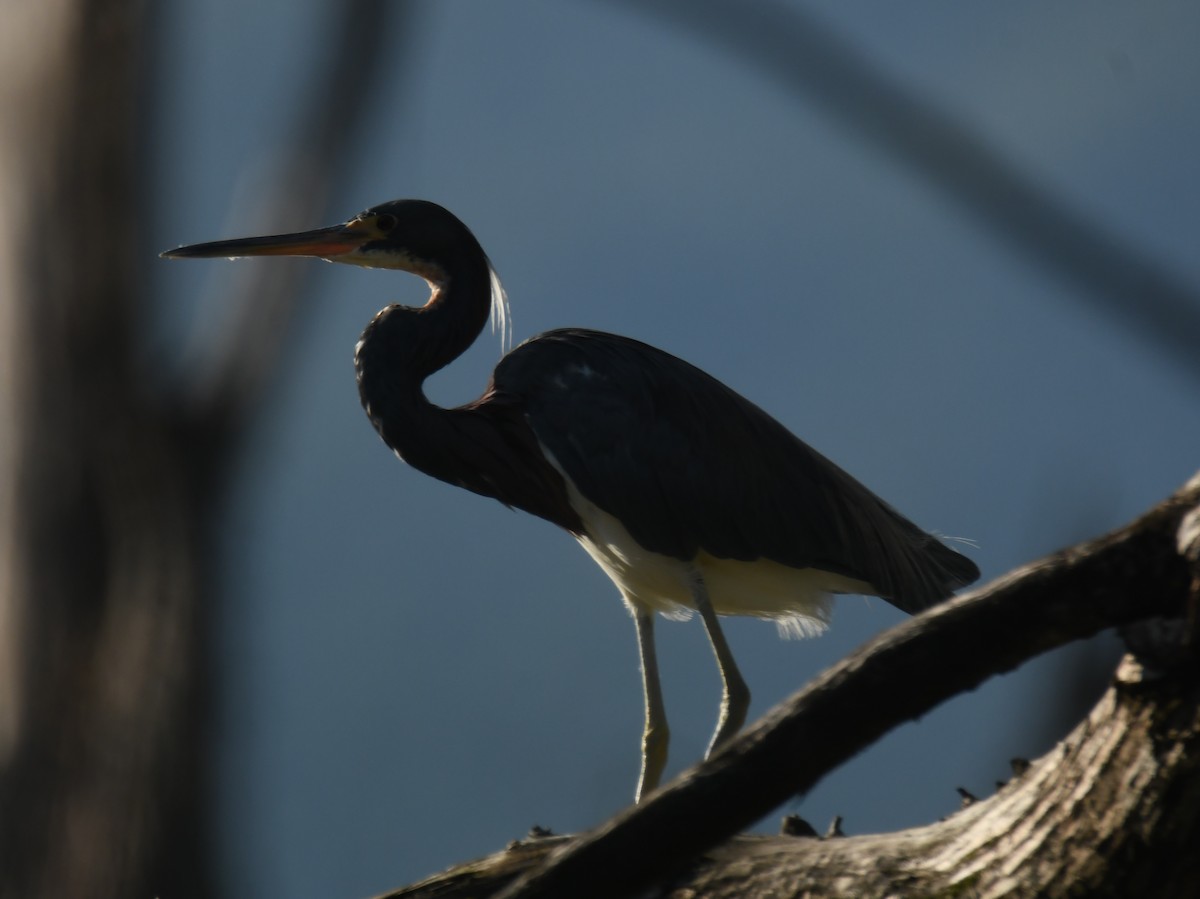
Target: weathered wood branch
(1107, 812)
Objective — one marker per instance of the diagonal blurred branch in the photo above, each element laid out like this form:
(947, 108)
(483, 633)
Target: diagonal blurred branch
(368, 39)
(793, 48)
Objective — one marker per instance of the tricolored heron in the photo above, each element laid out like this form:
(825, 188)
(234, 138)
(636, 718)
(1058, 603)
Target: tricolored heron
(687, 495)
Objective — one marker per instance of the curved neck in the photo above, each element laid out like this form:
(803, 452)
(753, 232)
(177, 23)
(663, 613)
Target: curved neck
(400, 348)
(405, 345)
(485, 446)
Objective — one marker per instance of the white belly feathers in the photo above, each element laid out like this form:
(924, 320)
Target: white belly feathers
(798, 600)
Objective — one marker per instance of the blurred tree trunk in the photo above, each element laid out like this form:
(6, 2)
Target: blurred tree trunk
(112, 481)
(102, 728)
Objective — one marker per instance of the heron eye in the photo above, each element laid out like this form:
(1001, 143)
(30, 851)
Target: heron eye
(385, 222)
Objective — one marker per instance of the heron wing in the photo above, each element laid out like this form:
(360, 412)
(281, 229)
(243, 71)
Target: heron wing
(687, 464)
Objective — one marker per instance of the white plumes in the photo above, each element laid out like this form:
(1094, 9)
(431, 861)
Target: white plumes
(798, 626)
(798, 600)
(963, 541)
(500, 315)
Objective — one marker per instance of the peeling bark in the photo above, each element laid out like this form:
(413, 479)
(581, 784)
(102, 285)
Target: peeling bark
(1113, 810)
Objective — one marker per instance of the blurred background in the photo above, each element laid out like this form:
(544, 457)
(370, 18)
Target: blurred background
(953, 247)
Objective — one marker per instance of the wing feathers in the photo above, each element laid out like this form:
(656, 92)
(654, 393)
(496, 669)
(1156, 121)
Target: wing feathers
(688, 465)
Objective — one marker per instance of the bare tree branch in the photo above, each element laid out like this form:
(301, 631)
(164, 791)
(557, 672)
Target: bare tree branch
(1131, 575)
(791, 47)
(1111, 811)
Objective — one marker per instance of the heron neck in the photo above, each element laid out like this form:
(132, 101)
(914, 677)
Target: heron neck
(406, 345)
(403, 346)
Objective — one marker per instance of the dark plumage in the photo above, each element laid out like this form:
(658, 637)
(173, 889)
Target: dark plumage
(686, 464)
(688, 495)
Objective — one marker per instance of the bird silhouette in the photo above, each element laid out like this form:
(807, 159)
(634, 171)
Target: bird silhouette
(689, 496)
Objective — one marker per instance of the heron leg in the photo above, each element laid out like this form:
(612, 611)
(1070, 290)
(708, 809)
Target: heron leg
(656, 736)
(735, 696)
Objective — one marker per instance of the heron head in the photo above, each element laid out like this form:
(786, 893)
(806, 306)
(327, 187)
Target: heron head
(408, 235)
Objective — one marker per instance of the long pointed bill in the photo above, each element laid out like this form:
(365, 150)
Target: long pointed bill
(325, 243)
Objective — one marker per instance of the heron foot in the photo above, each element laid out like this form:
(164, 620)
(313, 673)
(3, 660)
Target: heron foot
(735, 702)
(655, 741)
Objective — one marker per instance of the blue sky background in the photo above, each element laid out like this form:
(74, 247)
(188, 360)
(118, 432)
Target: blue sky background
(414, 674)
